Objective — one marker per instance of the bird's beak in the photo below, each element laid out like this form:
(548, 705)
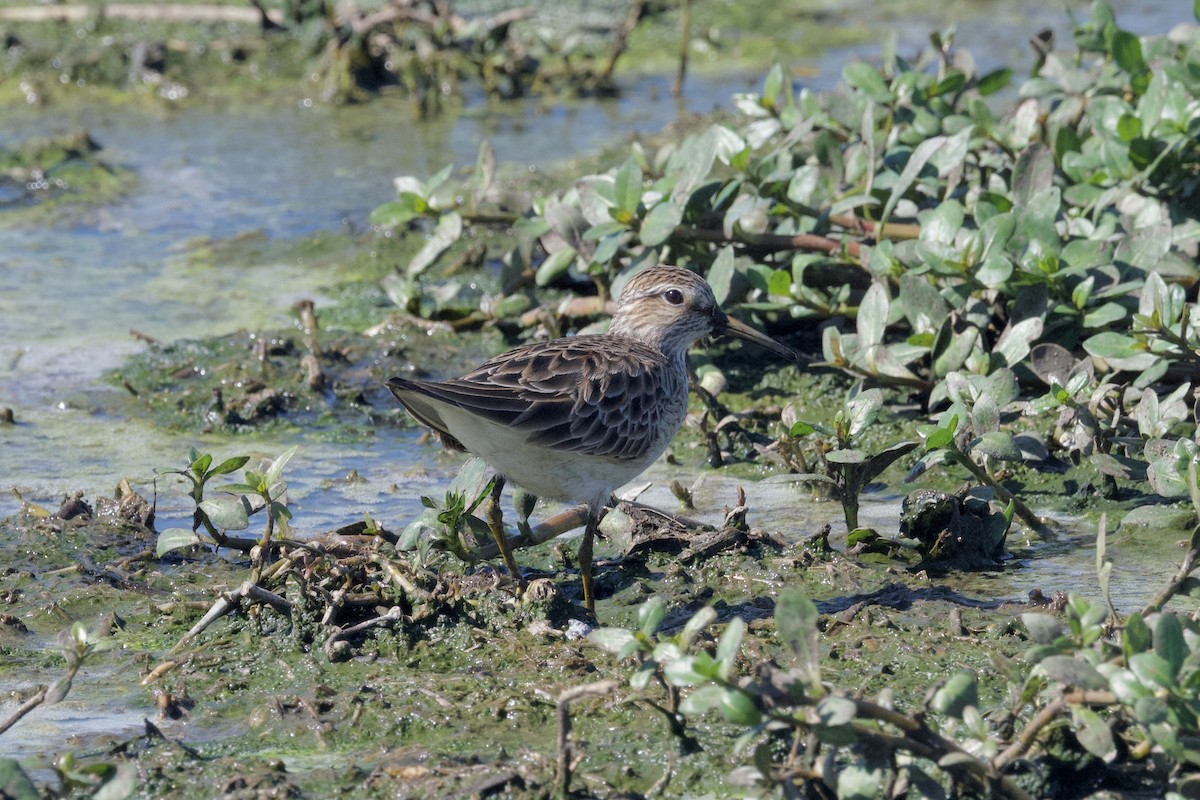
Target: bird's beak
(732, 327)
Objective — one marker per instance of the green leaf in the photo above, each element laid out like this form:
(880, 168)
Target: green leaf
(683, 672)
(1169, 643)
(837, 736)
(938, 438)
(255, 479)
(866, 78)
(1127, 52)
(1127, 688)
(447, 231)
(942, 224)
(407, 207)
(473, 481)
(912, 170)
(1072, 671)
(876, 464)
(845, 456)
(861, 781)
(15, 783)
(650, 615)
(739, 708)
(862, 410)
(58, 691)
(419, 530)
(276, 468)
(956, 694)
(720, 274)
(702, 700)
(772, 86)
(439, 177)
(627, 191)
(228, 513)
(1151, 710)
(118, 784)
(872, 316)
(200, 464)
(803, 184)
(1104, 316)
(660, 223)
(1091, 732)
(1110, 344)
(642, 676)
(1033, 173)
(1190, 587)
(174, 539)
(611, 639)
(228, 465)
(1135, 636)
(485, 172)
(555, 265)
(834, 711)
(699, 621)
(996, 80)
(998, 445)
(728, 644)
(1151, 668)
(953, 81)
(1129, 127)
(280, 513)
(796, 623)
(1043, 628)
(602, 231)
(780, 283)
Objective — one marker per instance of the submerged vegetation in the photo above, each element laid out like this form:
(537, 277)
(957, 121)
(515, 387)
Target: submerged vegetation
(996, 295)
(42, 175)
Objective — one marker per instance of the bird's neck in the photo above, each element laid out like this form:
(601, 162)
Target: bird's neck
(673, 348)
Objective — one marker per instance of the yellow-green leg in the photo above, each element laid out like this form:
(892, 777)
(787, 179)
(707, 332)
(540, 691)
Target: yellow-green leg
(495, 521)
(585, 560)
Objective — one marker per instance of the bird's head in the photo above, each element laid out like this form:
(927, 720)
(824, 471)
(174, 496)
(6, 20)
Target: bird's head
(671, 308)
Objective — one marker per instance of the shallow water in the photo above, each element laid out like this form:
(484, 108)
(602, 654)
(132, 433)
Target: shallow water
(69, 293)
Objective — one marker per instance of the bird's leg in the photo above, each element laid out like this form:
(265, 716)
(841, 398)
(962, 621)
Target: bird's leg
(495, 521)
(585, 558)
(524, 503)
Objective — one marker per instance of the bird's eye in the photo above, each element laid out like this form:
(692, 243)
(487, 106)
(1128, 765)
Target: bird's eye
(673, 296)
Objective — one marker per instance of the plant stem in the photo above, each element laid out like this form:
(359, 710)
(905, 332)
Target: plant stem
(1185, 569)
(771, 241)
(563, 711)
(1044, 717)
(33, 702)
(1023, 511)
(685, 39)
(922, 741)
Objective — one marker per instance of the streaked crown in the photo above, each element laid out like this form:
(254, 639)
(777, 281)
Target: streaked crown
(668, 308)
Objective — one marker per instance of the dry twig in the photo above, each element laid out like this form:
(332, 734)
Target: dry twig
(563, 711)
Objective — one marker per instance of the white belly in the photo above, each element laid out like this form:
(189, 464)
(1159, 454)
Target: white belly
(544, 472)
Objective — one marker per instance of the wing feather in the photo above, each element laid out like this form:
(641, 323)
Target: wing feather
(586, 394)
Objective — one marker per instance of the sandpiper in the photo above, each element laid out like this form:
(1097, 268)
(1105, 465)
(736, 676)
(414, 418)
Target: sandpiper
(575, 418)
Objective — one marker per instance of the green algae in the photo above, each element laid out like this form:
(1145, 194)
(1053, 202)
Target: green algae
(42, 179)
(751, 36)
(436, 707)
